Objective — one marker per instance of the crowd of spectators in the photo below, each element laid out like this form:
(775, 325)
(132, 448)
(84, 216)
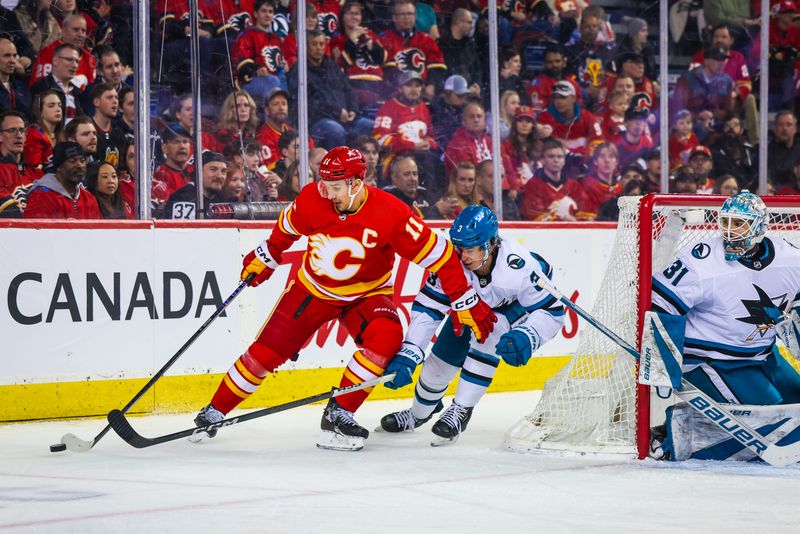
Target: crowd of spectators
(407, 82)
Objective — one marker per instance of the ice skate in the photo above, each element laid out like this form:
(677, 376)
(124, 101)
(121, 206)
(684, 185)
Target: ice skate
(451, 424)
(658, 435)
(404, 420)
(207, 416)
(340, 432)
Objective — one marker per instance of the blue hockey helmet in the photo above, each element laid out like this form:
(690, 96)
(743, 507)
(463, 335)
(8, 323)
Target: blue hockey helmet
(475, 226)
(743, 221)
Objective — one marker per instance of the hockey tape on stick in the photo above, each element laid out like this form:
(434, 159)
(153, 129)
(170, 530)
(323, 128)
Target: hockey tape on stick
(772, 453)
(76, 444)
(122, 426)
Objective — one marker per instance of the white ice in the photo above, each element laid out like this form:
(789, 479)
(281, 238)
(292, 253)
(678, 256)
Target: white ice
(267, 476)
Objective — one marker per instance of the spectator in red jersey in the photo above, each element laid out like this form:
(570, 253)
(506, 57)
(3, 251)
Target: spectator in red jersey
(613, 121)
(573, 125)
(110, 139)
(261, 56)
(14, 94)
(409, 49)
(276, 123)
(632, 65)
(681, 139)
(519, 149)
(484, 184)
(109, 70)
(702, 164)
(551, 195)
(332, 105)
(460, 51)
(359, 52)
(733, 154)
(601, 184)
(634, 141)
(683, 181)
(403, 126)
(65, 64)
(127, 176)
(470, 142)
(237, 120)
(172, 174)
(43, 132)
(182, 204)
(103, 183)
(609, 211)
(16, 177)
(73, 31)
(58, 194)
(405, 186)
(540, 90)
(83, 131)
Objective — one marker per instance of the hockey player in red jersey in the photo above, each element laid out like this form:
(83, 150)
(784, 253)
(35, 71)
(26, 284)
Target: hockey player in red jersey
(353, 234)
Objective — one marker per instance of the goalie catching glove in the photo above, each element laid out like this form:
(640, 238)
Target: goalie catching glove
(259, 262)
(517, 345)
(789, 332)
(403, 365)
(469, 310)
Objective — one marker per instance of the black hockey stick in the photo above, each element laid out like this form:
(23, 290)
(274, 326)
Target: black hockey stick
(121, 425)
(772, 453)
(76, 444)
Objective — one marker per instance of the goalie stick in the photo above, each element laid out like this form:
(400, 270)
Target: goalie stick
(772, 453)
(122, 426)
(76, 444)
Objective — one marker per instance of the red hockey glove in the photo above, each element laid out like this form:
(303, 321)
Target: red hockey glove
(259, 262)
(471, 311)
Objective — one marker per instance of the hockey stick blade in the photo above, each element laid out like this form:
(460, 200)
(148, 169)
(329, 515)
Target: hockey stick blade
(772, 453)
(76, 444)
(123, 428)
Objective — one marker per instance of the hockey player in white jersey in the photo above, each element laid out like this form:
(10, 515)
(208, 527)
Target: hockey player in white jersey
(502, 272)
(732, 293)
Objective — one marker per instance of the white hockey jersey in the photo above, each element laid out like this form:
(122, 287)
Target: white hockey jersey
(508, 289)
(731, 307)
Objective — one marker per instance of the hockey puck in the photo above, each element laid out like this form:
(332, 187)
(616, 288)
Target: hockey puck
(58, 447)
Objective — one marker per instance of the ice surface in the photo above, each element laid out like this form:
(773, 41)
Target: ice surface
(267, 476)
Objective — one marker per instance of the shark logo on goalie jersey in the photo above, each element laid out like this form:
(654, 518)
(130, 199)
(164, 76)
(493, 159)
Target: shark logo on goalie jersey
(765, 312)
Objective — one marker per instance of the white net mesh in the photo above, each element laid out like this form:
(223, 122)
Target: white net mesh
(591, 405)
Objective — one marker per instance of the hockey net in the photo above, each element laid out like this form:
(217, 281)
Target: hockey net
(594, 403)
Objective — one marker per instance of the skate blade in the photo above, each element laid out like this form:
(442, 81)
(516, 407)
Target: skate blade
(439, 441)
(380, 430)
(199, 437)
(337, 442)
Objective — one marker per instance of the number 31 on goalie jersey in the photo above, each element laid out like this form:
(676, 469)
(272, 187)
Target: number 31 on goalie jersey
(675, 272)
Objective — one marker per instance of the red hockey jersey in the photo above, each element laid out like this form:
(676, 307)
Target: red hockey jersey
(256, 48)
(44, 66)
(597, 193)
(543, 200)
(359, 66)
(49, 200)
(576, 133)
(166, 181)
(418, 52)
(38, 148)
(350, 256)
(327, 15)
(398, 127)
(679, 149)
(464, 147)
(16, 179)
(268, 138)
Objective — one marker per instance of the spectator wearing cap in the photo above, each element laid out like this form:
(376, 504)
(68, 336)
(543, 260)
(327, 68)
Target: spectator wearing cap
(733, 154)
(73, 32)
(587, 57)
(276, 123)
(631, 65)
(634, 141)
(409, 49)
(540, 89)
(707, 87)
(359, 52)
(635, 40)
(460, 51)
(16, 177)
(572, 124)
(261, 57)
(173, 173)
(551, 195)
(702, 165)
(447, 106)
(182, 204)
(403, 126)
(470, 142)
(602, 182)
(684, 181)
(14, 94)
(237, 122)
(681, 138)
(519, 149)
(58, 194)
(332, 105)
(784, 149)
(61, 78)
(110, 139)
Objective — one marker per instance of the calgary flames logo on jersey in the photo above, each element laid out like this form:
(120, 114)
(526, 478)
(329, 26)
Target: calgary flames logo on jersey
(239, 21)
(329, 23)
(410, 59)
(273, 58)
(323, 251)
(414, 131)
